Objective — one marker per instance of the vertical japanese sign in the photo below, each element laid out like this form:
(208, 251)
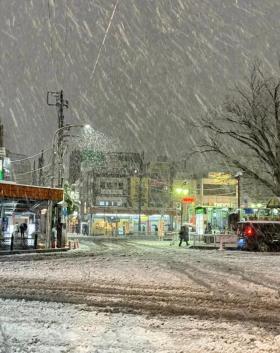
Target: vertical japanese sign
(1, 170)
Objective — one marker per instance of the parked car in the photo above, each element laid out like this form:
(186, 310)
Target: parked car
(259, 235)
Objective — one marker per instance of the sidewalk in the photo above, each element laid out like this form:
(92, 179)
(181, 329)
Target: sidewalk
(195, 241)
(83, 237)
(32, 251)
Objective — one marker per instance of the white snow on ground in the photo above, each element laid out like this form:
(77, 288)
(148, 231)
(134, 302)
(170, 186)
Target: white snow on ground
(140, 297)
(50, 327)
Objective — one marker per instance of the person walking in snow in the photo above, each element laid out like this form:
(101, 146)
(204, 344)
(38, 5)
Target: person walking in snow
(22, 230)
(184, 235)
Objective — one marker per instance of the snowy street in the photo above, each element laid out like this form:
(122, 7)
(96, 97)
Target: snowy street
(140, 296)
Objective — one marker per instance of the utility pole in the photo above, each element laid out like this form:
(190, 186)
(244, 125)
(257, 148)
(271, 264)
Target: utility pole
(171, 197)
(60, 104)
(40, 167)
(34, 176)
(140, 190)
(1, 135)
(238, 176)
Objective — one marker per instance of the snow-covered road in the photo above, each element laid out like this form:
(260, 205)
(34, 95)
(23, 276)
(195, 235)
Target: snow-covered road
(137, 296)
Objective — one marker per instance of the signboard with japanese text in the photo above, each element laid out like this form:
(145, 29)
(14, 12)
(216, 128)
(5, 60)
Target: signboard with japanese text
(16, 191)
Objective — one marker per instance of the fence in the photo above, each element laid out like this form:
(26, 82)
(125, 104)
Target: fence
(205, 240)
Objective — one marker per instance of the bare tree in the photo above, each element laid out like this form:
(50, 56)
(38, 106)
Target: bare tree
(245, 130)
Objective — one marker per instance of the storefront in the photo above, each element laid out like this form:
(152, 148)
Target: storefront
(121, 223)
(212, 219)
(24, 205)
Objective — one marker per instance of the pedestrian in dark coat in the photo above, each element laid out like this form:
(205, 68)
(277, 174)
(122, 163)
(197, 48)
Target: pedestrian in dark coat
(184, 235)
(21, 228)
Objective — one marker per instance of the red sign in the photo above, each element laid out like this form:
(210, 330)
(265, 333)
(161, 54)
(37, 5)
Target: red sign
(189, 199)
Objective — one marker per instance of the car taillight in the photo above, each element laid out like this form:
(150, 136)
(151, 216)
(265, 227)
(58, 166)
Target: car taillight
(249, 231)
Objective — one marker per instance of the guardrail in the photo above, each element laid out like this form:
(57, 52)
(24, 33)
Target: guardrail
(212, 240)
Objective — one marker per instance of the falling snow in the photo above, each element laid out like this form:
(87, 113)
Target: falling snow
(127, 67)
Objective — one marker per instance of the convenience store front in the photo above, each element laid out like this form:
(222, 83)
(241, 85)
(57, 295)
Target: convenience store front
(212, 219)
(117, 222)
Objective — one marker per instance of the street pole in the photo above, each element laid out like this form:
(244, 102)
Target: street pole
(171, 197)
(60, 103)
(140, 190)
(238, 197)
(1, 135)
(238, 176)
(40, 167)
(182, 210)
(34, 176)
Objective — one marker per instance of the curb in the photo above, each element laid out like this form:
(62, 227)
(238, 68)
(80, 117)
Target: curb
(32, 251)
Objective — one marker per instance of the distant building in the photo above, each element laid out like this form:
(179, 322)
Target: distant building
(161, 174)
(105, 178)
(114, 189)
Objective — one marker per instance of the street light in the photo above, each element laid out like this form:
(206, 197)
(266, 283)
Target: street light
(237, 176)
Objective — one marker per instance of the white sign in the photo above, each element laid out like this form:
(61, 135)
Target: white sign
(199, 224)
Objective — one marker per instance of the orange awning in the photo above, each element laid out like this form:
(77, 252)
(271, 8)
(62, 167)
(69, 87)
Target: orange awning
(28, 192)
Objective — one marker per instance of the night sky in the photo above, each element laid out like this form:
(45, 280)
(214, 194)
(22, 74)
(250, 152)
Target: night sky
(162, 64)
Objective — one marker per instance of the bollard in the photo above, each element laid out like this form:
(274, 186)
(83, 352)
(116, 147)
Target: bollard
(12, 242)
(35, 241)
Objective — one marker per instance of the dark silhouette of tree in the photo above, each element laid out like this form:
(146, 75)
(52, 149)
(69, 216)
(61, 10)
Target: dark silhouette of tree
(245, 130)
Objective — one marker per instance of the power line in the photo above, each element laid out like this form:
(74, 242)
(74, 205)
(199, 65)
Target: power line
(30, 157)
(34, 170)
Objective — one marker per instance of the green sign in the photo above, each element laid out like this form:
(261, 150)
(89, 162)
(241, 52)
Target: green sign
(200, 210)
(1, 170)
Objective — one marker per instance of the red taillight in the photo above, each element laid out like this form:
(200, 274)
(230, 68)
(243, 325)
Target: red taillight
(249, 231)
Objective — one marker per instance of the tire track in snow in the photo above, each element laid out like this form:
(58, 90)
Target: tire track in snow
(124, 298)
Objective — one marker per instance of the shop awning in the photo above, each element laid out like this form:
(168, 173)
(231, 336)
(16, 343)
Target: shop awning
(28, 192)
